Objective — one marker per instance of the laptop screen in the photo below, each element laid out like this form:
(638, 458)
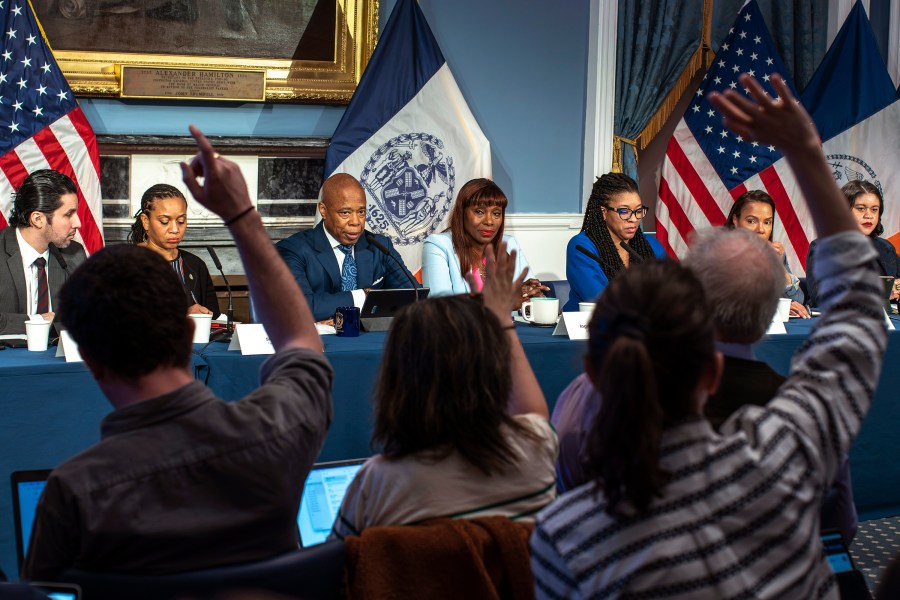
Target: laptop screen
(26, 490)
(323, 494)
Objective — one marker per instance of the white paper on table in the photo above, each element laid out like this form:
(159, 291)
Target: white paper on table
(68, 348)
(323, 329)
(574, 325)
(776, 326)
(250, 339)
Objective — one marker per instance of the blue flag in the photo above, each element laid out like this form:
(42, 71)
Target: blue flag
(408, 135)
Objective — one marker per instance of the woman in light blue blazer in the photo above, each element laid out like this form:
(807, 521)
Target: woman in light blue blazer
(476, 221)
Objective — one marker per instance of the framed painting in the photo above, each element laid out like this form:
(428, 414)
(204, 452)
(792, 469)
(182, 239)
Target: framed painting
(285, 50)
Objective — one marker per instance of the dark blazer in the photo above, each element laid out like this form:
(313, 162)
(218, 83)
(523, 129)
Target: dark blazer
(198, 281)
(888, 265)
(311, 259)
(13, 303)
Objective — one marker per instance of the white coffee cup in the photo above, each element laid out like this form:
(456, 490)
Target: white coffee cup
(586, 306)
(541, 311)
(202, 324)
(38, 332)
(784, 309)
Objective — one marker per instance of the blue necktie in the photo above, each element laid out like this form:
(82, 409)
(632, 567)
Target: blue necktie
(348, 272)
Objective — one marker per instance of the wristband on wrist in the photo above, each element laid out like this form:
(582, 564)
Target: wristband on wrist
(238, 216)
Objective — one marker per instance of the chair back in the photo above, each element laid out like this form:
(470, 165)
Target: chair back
(314, 573)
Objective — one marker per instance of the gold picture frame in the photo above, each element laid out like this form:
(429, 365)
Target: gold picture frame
(99, 73)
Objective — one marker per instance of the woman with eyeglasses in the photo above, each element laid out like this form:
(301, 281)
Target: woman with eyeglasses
(754, 210)
(867, 205)
(610, 240)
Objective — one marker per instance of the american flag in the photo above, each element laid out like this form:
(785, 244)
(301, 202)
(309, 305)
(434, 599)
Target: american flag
(41, 125)
(707, 166)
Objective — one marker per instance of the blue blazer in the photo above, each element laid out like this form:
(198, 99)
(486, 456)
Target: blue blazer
(311, 259)
(440, 265)
(586, 278)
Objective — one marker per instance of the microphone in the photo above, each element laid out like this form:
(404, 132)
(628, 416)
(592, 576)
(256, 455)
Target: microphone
(632, 252)
(370, 237)
(229, 314)
(589, 254)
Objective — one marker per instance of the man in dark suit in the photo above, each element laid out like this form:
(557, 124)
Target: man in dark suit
(37, 250)
(333, 262)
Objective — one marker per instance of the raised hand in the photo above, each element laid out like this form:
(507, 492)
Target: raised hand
(502, 289)
(781, 122)
(224, 190)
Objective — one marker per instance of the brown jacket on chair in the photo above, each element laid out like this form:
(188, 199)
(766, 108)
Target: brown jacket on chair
(441, 558)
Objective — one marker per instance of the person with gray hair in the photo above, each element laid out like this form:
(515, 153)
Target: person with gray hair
(743, 302)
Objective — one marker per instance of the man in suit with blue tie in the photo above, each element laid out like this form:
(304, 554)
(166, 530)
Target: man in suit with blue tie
(333, 262)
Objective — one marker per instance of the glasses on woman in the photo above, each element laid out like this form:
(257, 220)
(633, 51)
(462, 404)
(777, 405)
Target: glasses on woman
(626, 213)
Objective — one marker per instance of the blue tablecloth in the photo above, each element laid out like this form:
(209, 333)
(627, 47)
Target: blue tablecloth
(52, 409)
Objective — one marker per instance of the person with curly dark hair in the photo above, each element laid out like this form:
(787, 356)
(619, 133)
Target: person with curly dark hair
(612, 235)
(867, 205)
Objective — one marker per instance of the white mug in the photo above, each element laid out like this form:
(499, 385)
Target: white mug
(542, 311)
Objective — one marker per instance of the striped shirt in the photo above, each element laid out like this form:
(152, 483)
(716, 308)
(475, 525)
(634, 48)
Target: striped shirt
(739, 517)
(414, 488)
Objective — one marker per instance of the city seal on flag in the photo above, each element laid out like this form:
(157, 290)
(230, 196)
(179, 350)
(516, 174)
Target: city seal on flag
(409, 181)
(847, 168)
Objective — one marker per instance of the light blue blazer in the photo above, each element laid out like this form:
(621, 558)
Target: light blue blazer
(440, 266)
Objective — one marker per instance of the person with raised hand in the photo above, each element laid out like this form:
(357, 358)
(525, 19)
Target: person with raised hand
(462, 419)
(213, 482)
(675, 509)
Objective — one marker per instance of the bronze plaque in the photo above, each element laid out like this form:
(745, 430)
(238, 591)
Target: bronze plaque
(193, 84)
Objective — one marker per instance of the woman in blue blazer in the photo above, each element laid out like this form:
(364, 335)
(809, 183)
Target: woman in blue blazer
(611, 222)
(477, 221)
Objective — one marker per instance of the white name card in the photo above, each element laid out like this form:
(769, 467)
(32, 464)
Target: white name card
(68, 348)
(251, 338)
(574, 325)
(887, 319)
(776, 326)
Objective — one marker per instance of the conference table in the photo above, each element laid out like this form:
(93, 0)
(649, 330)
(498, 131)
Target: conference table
(52, 409)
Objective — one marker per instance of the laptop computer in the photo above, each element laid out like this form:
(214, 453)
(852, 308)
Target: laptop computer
(381, 306)
(59, 591)
(26, 491)
(323, 494)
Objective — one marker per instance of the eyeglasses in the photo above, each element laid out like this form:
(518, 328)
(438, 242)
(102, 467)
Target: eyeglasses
(626, 213)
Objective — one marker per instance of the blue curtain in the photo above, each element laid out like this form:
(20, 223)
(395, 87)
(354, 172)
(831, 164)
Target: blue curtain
(656, 38)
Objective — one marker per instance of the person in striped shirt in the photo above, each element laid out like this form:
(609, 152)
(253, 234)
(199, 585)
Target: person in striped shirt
(459, 413)
(675, 509)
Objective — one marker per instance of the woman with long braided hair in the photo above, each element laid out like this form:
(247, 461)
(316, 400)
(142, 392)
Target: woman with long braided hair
(610, 235)
(159, 225)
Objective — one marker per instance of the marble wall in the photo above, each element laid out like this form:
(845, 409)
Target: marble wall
(283, 176)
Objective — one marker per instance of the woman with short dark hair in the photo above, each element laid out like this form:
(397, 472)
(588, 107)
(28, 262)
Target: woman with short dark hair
(459, 414)
(159, 225)
(754, 210)
(867, 205)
